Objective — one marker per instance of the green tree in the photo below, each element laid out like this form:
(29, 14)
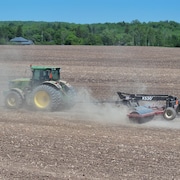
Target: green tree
(163, 33)
(71, 39)
(19, 31)
(57, 37)
(150, 37)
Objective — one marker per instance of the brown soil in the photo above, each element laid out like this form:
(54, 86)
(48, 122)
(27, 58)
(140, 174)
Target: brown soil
(91, 141)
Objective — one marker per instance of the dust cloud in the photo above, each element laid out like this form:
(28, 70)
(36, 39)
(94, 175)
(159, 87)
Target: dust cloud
(4, 81)
(90, 109)
(11, 68)
(94, 110)
(159, 122)
(8, 70)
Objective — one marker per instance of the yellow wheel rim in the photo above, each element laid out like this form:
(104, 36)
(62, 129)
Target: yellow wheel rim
(11, 101)
(42, 99)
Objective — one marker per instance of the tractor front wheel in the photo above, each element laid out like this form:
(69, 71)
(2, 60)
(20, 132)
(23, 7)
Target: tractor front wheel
(13, 100)
(45, 98)
(169, 113)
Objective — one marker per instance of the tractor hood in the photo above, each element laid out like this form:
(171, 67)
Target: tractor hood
(20, 83)
(20, 80)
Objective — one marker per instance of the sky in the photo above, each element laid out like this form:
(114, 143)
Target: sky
(90, 11)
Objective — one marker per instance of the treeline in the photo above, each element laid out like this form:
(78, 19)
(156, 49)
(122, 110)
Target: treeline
(163, 33)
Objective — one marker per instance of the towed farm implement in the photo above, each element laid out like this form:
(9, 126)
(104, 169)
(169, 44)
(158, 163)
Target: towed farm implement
(144, 113)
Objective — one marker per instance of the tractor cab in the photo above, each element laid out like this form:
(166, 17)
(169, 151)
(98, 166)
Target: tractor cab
(44, 73)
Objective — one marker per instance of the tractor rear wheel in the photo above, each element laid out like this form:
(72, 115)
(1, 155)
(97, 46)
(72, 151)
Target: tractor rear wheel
(169, 113)
(13, 100)
(45, 98)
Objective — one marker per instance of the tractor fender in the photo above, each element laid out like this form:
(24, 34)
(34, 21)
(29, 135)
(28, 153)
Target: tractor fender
(19, 91)
(65, 83)
(53, 84)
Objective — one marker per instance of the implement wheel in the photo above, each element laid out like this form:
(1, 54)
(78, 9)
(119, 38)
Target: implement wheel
(13, 100)
(169, 113)
(45, 98)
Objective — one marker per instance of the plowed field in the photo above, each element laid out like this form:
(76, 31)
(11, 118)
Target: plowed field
(91, 141)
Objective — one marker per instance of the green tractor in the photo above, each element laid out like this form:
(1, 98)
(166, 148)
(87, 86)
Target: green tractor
(45, 91)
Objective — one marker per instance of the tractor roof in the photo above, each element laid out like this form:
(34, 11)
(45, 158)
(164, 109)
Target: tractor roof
(44, 67)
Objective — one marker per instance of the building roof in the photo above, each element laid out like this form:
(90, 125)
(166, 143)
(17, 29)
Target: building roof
(21, 40)
(18, 39)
